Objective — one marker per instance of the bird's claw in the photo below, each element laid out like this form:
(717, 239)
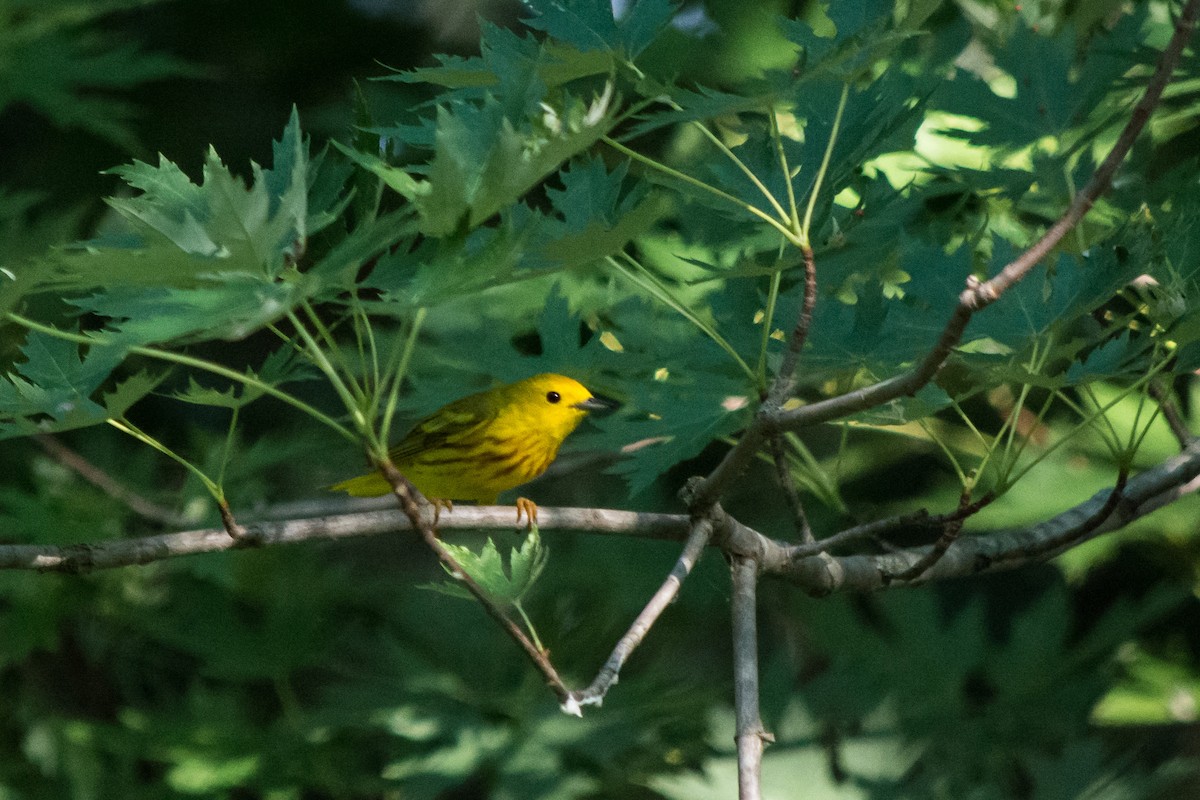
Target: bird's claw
(438, 504)
(528, 509)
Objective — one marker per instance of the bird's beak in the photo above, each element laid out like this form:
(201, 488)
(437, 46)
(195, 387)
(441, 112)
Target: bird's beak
(596, 404)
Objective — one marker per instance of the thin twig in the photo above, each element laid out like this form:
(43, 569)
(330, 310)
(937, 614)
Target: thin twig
(1054, 544)
(785, 378)
(868, 530)
(976, 296)
(750, 736)
(876, 528)
(950, 532)
(106, 483)
(406, 494)
(784, 384)
(1170, 412)
(609, 673)
(784, 472)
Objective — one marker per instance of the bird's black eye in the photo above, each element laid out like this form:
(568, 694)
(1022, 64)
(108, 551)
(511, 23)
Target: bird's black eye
(553, 397)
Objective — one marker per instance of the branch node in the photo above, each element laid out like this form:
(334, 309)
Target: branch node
(767, 417)
(950, 532)
(235, 531)
(77, 559)
(690, 491)
(250, 536)
(572, 705)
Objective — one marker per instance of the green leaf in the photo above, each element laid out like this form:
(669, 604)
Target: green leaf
(437, 271)
(482, 164)
(526, 564)
(394, 178)
(675, 420)
(487, 568)
(1053, 92)
(282, 366)
(52, 388)
(235, 307)
(231, 397)
(1054, 297)
(591, 25)
(183, 234)
(337, 270)
(928, 400)
(1124, 355)
(129, 391)
(701, 103)
(861, 38)
(599, 213)
(889, 314)
(518, 68)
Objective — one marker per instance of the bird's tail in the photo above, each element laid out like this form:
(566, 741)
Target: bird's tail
(371, 485)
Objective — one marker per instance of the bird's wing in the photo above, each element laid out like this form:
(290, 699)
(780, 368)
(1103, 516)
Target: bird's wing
(446, 428)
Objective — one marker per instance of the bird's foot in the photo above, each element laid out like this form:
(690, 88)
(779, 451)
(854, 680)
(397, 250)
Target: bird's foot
(527, 508)
(438, 504)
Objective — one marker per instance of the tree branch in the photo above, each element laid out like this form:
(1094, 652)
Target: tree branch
(1072, 535)
(608, 674)
(232, 526)
(113, 553)
(1104, 512)
(785, 384)
(750, 736)
(808, 566)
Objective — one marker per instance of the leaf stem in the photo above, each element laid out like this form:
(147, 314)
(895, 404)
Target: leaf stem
(806, 228)
(688, 179)
(768, 324)
(318, 356)
(395, 374)
(642, 277)
(741, 165)
(334, 351)
(196, 363)
(364, 329)
(125, 426)
(777, 138)
(537, 642)
(227, 450)
(1100, 411)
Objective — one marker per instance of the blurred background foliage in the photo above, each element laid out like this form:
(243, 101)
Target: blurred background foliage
(325, 671)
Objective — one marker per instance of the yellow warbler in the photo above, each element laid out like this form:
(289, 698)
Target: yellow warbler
(477, 447)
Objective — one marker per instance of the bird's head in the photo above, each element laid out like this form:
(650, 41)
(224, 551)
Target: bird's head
(555, 404)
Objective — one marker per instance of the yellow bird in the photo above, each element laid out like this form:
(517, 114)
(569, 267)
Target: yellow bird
(477, 447)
